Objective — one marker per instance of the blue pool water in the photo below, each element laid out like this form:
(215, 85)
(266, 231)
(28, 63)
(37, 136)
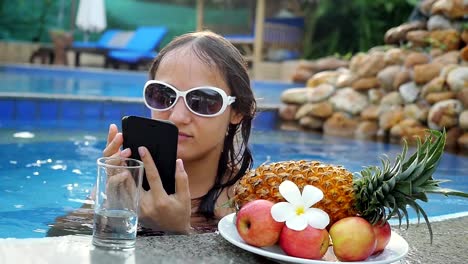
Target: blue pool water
(82, 82)
(49, 147)
(46, 173)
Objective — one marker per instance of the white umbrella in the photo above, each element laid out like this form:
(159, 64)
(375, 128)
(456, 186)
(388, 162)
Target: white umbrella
(91, 16)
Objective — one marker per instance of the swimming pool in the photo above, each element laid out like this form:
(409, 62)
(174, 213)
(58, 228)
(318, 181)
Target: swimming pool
(49, 146)
(47, 172)
(81, 82)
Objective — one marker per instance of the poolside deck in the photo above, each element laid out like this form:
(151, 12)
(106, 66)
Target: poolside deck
(450, 245)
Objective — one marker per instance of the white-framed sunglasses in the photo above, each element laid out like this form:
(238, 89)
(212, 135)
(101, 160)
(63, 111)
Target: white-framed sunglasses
(204, 101)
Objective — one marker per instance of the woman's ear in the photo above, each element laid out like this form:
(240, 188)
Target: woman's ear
(236, 117)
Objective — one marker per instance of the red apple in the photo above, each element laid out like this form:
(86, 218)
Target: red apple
(353, 239)
(255, 224)
(310, 243)
(383, 234)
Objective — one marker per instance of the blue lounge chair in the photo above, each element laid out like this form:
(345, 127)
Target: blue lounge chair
(141, 48)
(110, 39)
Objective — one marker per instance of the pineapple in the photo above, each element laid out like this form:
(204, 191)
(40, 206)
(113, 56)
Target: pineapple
(376, 193)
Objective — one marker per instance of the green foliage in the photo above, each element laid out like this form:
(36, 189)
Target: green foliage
(344, 26)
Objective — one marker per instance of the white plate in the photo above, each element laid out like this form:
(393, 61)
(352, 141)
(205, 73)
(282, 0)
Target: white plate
(396, 249)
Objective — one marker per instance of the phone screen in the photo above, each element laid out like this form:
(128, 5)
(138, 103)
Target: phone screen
(160, 138)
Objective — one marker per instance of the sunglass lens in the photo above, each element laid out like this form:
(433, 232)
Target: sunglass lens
(205, 101)
(159, 96)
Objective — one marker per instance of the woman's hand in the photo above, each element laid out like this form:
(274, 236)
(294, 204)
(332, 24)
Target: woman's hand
(158, 210)
(114, 142)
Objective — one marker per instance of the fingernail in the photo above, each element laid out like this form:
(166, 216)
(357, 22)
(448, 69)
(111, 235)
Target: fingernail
(180, 164)
(125, 152)
(141, 151)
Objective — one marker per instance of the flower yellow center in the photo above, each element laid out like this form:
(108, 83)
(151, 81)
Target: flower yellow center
(300, 210)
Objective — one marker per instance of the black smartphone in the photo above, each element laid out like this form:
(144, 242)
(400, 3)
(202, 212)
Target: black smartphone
(160, 137)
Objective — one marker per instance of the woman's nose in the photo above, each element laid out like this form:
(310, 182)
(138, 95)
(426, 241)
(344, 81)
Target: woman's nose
(180, 113)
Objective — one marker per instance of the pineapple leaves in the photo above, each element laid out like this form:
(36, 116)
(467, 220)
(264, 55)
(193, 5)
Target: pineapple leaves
(387, 191)
(419, 211)
(446, 191)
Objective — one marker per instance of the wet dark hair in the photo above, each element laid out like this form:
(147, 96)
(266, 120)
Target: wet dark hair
(215, 51)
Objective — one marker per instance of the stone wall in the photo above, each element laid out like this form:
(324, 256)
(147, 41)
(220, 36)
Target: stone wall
(16, 51)
(419, 80)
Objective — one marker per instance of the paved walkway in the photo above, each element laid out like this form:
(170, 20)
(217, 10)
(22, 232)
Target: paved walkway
(450, 245)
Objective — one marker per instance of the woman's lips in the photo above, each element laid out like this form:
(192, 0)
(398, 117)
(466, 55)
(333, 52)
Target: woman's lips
(183, 136)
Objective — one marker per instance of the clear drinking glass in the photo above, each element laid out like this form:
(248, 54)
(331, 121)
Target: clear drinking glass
(116, 202)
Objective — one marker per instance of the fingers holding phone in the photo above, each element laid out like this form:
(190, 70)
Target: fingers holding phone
(157, 208)
(114, 141)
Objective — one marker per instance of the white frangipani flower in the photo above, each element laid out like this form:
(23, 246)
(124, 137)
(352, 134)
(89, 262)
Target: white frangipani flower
(296, 212)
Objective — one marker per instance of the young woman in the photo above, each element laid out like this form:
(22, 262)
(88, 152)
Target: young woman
(199, 82)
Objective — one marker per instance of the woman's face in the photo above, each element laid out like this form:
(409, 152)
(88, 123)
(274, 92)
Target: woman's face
(199, 137)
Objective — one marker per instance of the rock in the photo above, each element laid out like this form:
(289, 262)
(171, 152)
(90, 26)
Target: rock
(367, 65)
(423, 73)
(366, 129)
(447, 69)
(349, 101)
(416, 111)
(394, 56)
(409, 92)
(451, 57)
(434, 52)
(393, 98)
(452, 9)
(462, 96)
(463, 142)
(415, 58)
(386, 77)
(311, 122)
(339, 124)
(303, 111)
(464, 53)
(438, 22)
(319, 110)
(287, 111)
(434, 86)
(418, 38)
(425, 6)
(305, 95)
(463, 120)
(345, 79)
(295, 95)
(364, 84)
(307, 64)
(324, 77)
(400, 78)
(447, 39)
(444, 114)
(329, 63)
(370, 113)
(323, 109)
(375, 95)
(464, 36)
(301, 75)
(320, 93)
(397, 34)
(433, 98)
(390, 117)
(457, 79)
(409, 130)
(452, 136)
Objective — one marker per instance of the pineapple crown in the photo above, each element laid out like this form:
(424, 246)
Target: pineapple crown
(386, 191)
